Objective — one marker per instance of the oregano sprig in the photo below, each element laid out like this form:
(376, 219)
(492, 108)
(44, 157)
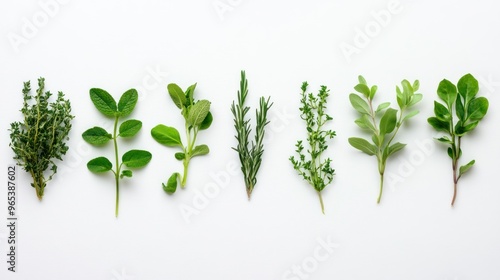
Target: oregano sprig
(98, 136)
(315, 170)
(41, 137)
(469, 111)
(197, 117)
(383, 122)
(250, 154)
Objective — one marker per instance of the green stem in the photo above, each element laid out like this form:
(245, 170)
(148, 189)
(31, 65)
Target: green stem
(321, 202)
(117, 173)
(185, 174)
(381, 187)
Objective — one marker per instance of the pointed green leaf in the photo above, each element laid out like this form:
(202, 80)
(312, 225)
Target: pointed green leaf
(438, 124)
(478, 107)
(99, 165)
(200, 150)
(388, 121)
(136, 158)
(447, 92)
(470, 127)
(130, 128)
(373, 90)
(171, 185)
(415, 99)
(362, 80)
(441, 112)
(359, 104)
(382, 106)
(466, 167)
(190, 94)
(363, 145)
(444, 139)
(363, 89)
(450, 153)
(395, 148)
(166, 135)
(127, 102)
(103, 101)
(177, 95)
(365, 123)
(126, 173)
(416, 85)
(198, 112)
(206, 122)
(468, 87)
(96, 136)
(410, 115)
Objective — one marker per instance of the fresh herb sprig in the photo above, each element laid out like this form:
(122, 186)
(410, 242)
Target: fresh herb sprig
(383, 131)
(41, 137)
(468, 108)
(317, 172)
(250, 154)
(197, 117)
(98, 136)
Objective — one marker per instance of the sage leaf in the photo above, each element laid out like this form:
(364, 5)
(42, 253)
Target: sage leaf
(171, 185)
(129, 128)
(447, 92)
(166, 135)
(363, 145)
(466, 167)
(136, 158)
(200, 150)
(206, 122)
(103, 101)
(198, 112)
(468, 87)
(359, 104)
(388, 121)
(96, 136)
(478, 108)
(177, 95)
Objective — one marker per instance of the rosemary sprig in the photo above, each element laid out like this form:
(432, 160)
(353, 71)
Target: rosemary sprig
(250, 154)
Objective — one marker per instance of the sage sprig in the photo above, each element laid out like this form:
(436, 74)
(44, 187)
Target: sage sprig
(315, 170)
(98, 136)
(41, 137)
(469, 111)
(382, 122)
(197, 117)
(250, 154)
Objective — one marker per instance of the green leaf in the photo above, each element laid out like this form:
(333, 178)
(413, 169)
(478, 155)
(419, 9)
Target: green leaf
(416, 85)
(471, 126)
(450, 153)
(438, 124)
(126, 173)
(96, 136)
(166, 135)
(103, 101)
(447, 92)
(171, 185)
(198, 112)
(200, 150)
(363, 145)
(468, 87)
(382, 106)
(441, 112)
(459, 108)
(359, 104)
(460, 129)
(478, 108)
(415, 99)
(180, 156)
(127, 102)
(99, 165)
(388, 121)
(362, 80)
(444, 139)
(136, 158)
(376, 139)
(130, 128)
(190, 94)
(395, 148)
(365, 123)
(363, 89)
(466, 167)
(410, 115)
(206, 122)
(177, 95)
(373, 90)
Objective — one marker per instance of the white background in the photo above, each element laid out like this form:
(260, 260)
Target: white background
(117, 45)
